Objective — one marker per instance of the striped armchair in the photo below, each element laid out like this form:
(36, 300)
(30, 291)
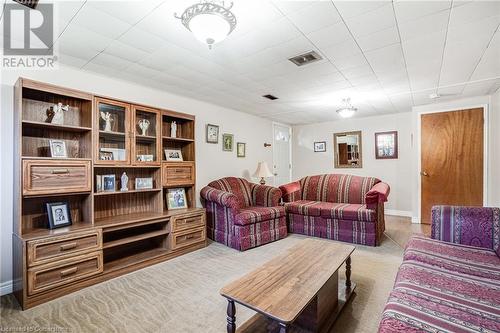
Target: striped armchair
(243, 215)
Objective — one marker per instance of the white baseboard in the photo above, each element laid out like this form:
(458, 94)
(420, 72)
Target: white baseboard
(5, 288)
(396, 212)
(415, 219)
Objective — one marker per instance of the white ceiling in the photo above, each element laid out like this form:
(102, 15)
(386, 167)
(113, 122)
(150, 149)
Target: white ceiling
(387, 56)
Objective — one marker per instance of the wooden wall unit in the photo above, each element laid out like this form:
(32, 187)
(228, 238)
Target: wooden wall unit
(112, 233)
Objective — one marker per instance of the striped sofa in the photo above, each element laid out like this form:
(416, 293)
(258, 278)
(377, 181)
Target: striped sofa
(337, 206)
(243, 215)
(450, 283)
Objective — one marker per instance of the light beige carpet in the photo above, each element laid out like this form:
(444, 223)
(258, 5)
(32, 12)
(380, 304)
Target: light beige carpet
(182, 295)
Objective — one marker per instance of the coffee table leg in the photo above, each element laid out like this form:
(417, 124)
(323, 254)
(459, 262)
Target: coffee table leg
(231, 316)
(283, 328)
(348, 272)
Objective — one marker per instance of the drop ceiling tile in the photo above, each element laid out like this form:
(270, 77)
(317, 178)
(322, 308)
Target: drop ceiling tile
(424, 76)
(386, 59)
(425, 25)
(350, 62)
(127, 11)
(76, 49)
(101, 22)
(71, 60)
(319, 15)
(372, 21)
(142, 40)
(101, 69)
(342, 50)
(333, 34)
(454, 90)
(255, 13)
(138, 70)
(425, 48)
(349, 9)
(289, 7)
(479, 88)
(489, 66)
(475, 10)
(379, 39)
(64, 11)
(125, 51)
(356, 72)
(477, 29)
(111, 61)
(411, 10)
(86, 38)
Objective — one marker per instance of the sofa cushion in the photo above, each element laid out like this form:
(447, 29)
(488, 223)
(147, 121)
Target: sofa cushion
(454, 257)
(238, 186)
(329, 210)
(258, 214)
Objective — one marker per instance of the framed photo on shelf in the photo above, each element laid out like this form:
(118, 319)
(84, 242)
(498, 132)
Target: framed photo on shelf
(386, 145)
(106, 156)
(320, 147)
(176, 198)
(58, 214)
(240, 149)
(143, 183)
(108, 183)
(212, 133)
(58, 148)
(227, 142)
(145, 158)
(173, 155)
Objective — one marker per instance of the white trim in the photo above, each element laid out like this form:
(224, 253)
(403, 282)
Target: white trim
(395, 212)
(485, 149)
(275, 123)
(6, 287)
(415, 220)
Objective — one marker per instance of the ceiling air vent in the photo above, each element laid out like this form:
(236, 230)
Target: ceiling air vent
(271, 97)
(305, 58)
(28, 3)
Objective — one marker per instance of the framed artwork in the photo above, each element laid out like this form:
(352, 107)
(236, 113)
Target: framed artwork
(108, 183)
(144, 183)
(227, 142)
(386, 145)
(176, 198)
(58, 148)
(145, 158)
(58, 214)
(106, 156)
(173, 155)
(320, 146)
(212, 133)
(240, 149)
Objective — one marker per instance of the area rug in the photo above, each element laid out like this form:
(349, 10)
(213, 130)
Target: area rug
(182, 295)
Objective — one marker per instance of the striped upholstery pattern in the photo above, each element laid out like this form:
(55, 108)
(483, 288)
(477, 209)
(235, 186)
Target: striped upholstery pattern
(332, 210)
(243, 215)
(474, 226)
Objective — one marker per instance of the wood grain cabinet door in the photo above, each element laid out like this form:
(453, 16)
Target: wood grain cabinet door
(178, 173)
(55, 177)
(451, 159)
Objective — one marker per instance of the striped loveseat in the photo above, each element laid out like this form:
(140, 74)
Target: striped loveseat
(243, 215)
(450, 283)
(337, 206)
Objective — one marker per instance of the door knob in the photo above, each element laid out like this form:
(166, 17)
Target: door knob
(275, 174)
(423, 173)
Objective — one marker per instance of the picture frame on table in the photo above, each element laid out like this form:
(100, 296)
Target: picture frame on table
(173, 155)
(108, 183)
(144, 183)
(320, 146)
(58, 149)
(386, 145)
(58, 214)
(212, 133)
(145, 158)
(176, 198)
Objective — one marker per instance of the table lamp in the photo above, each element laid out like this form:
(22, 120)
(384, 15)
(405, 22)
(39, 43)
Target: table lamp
(262, 172)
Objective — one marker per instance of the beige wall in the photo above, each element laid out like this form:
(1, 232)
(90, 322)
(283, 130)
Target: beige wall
(395, 172)
(212, 162)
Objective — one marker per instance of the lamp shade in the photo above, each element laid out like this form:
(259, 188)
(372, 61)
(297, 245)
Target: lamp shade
(262, 170)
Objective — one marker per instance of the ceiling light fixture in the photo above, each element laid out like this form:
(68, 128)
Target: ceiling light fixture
(210, 21)
(348, 110)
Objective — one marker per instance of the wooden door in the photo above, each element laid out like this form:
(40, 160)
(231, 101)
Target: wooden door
(451, 159)
(343, 156)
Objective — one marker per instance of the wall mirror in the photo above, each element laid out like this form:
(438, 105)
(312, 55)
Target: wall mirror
(347, 150)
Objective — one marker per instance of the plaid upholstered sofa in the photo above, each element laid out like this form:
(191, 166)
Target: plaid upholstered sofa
(243, 215)
(337, 206)
(450, 283)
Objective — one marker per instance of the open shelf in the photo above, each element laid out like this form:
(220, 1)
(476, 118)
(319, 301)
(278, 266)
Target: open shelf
(112, 134)
(167, 138)
(127, 192)
(69, 128)
(40, 232)
(134, 259)
(134, 238)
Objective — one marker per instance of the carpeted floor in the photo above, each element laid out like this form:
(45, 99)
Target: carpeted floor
(182, 295)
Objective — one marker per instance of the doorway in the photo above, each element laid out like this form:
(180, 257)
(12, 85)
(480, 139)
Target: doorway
(282, 163)
(452, 147)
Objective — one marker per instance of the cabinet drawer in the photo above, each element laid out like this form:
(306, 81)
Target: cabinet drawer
(52, 177)
(59, 247)
(50, 276)
(184, 222)
(186, 238)
(178, 173)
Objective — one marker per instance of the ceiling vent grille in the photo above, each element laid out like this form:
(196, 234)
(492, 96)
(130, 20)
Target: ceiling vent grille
(28, 3)
(271, 97)
(305, 58)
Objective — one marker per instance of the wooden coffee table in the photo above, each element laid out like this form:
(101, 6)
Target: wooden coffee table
(297, 291)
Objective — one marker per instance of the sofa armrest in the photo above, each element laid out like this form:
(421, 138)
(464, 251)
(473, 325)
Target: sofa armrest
(222, 198)
(377, 194)
(473, 226)
(290, 192)
(265, 196)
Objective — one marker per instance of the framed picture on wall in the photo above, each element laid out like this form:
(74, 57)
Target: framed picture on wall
(320, 147)
(212, 133)
(240, 149)
(386, 145)
(227, 142)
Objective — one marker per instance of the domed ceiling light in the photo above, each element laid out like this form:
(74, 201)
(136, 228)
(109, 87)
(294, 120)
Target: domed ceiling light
(209, 20)
(348, 110)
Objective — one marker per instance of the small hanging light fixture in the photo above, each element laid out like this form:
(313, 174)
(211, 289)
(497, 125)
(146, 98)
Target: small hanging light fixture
(348, 110)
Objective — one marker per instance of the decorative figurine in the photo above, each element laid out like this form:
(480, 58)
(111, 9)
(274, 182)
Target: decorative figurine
(124, 182)
(106, 116)
(144, 125)
(173, 129)
(57, 113)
